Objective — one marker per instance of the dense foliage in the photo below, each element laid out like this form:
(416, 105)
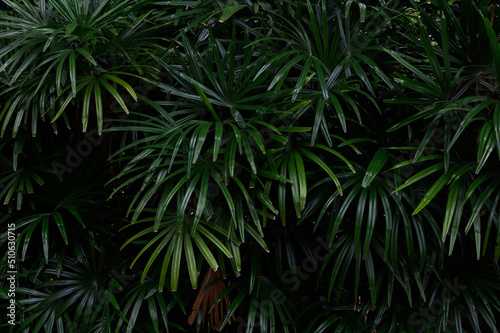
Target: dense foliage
(282, 166)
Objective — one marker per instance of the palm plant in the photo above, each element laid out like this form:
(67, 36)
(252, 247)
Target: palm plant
(59, 52)
(321, 165)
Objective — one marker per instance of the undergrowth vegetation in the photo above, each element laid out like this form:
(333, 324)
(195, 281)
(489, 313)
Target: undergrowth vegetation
(251, 166)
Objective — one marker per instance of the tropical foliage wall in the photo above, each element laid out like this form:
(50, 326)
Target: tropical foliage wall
(251, 166)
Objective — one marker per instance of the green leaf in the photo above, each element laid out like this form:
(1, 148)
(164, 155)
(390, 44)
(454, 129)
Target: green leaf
(45, 238)
(176, 262)
(114, 93)
(87, 55)
(495, 49)
(72, 72)
(433, 191)
(191, 261)
(205, 100)
(358, 223)
(112, 299)
(371, 218)
(255, 235)
(207, 254)
(376, 164)
(496, 126)
(229, 11)
(431, 55)
(122, 83)
(450, 207)
(205, 232)
(98, 107)
(324, 166)
(217, 139)
(60, 224)
(422, 174)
